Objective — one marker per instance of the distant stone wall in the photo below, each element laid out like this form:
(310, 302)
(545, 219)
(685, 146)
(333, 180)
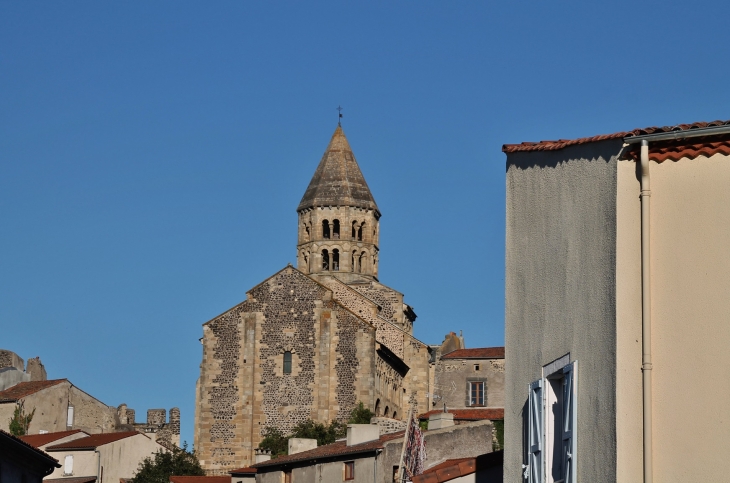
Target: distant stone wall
(11, 359)
(388, 425)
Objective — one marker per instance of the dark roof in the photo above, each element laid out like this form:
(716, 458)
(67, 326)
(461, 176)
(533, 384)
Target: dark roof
(76, 479)
(455, 468)
(37, 440)
(242, 471)
(93, 441)
(339, 448)
(338, 180)
(23, 389)
(200, 479)
(563, 143)
(479, 353)
(470, 414)
(15, 446)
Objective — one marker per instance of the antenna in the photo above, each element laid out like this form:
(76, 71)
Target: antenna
(339, 119)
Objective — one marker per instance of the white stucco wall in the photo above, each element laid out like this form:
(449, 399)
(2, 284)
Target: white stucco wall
(560, 293)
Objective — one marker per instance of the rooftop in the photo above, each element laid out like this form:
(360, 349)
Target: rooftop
(338, 180)
(339, 448)
(38, 440)
(23, 389)
(8, 440)
(93, 441)
(200, 479)
(564, 143)
(470, 414)
(479, 353)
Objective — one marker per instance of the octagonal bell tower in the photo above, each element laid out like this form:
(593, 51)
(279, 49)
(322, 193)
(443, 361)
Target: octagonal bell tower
(338, 219)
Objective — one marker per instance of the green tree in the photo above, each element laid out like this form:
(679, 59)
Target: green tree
(20, 422)
(324, 434)
(360, 415)
(164, 464)
(499, 430)
(274, 441)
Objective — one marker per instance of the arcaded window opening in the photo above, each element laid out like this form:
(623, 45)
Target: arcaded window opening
(325, 260)
(335, 259)
(336, 229)
(359, 232)
(325, 229)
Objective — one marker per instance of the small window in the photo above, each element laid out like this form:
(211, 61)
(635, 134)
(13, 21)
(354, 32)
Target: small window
(476, 367)
(476, 394)
(396, 474)
(287, 477)
(349, 470)
(68, 465)
(287, 362)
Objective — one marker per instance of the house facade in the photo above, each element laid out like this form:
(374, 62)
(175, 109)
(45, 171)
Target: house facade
(617, 302)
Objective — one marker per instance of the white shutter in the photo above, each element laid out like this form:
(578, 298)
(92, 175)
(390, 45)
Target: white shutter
(68, 465)
(70, 417)
(569, 423)
(535, 403)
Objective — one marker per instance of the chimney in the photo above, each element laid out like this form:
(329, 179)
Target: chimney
(262, 455)
(440, 420)
(297, 445)
(362, 433)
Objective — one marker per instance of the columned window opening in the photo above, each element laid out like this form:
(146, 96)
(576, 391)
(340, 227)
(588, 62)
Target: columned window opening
(306, 230)
(336, 229)
(362, 258)
(359, 232)
(287, 362)
(325, 260)
(355, 259)
(335, 259)
(325, 229)
(377, 408)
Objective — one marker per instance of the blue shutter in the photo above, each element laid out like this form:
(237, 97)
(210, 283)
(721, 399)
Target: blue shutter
(535, 404)
(569, 423)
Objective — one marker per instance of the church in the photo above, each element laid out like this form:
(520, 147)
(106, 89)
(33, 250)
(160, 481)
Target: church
(312, 341)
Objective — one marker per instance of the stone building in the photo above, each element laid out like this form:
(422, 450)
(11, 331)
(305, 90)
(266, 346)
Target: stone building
(14, 370)
(313, 340)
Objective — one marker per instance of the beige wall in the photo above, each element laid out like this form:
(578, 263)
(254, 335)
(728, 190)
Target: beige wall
(690, 225)
(559, 293)
(451, 377)
(119, 459)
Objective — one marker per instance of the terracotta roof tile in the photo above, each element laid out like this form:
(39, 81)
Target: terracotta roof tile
(38, 440)
(93, 441)
(24, 389)
(470, 414)
(479, 353)
(455, 468)
(244, 470)
(200, 479)
(563, 143)
(339, 448)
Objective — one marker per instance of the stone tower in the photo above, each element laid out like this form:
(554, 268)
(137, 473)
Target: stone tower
(338, 219)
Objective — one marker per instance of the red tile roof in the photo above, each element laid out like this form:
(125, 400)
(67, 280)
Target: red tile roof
(245, 470)
(38, 440)
(339, 448)
(23, 389)
(13, 440)
(448, 470)
(563, 143)
(200, 479)
(479, 353)
(93, 441)
(470, 414)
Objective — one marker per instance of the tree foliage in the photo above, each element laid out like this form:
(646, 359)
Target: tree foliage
(164, 464)
(278, 443)
(20, 422)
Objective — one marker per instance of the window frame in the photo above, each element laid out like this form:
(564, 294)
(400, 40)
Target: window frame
(285, 362)
(351, 466)
(470, 381)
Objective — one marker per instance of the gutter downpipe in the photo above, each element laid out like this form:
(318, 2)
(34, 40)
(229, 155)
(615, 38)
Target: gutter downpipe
(646, 365)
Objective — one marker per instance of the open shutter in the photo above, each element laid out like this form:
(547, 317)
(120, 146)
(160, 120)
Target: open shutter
(535, 404)
(569, 423)
(68, 465)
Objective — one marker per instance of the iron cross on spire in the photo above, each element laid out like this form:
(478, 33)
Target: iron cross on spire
(339, 119)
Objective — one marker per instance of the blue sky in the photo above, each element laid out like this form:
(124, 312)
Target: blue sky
(152, 154)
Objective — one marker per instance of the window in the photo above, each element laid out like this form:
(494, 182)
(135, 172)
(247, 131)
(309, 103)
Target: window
(325, 229)
(287, 362)
(70, 417)
(68, 465)
(335, 259)
(476, 367)
(349, 470)
(336, 229)
(552, 416)
(287, 477)
(325, 260)
(476, 393)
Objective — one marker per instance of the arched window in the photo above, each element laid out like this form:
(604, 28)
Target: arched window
(335, 259)
(336, 229)
(325, 260)
(361, 260)
(354, 229)
(287, 362)
(306, 231)
(355, 259)
(386, 413)
(377, 407)
(325, 229)
(359, 232)
(395, 414)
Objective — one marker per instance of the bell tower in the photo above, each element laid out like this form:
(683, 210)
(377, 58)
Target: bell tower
(339, 222)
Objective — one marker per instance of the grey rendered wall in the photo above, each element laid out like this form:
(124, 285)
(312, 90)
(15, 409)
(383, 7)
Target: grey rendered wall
(560, 292)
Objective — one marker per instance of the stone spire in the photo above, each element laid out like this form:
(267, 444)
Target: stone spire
(339, 222)
(338, 180)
